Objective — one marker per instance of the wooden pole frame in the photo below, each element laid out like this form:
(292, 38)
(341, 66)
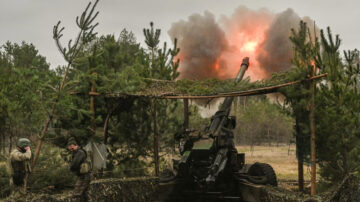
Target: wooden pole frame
(313, 137)
(264, 90)
(93, 94)
(258, 91)
(186, 114)
(86, 32)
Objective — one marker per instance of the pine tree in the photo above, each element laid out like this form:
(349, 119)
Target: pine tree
(298, 96)
(24, 88)
(337, 142)
(163, 67)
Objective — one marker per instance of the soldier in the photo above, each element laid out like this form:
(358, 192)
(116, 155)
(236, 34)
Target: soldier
(81, 167)
(19, 164)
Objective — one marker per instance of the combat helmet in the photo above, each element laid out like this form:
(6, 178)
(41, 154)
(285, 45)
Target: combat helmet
(71, 141)
(23, 142)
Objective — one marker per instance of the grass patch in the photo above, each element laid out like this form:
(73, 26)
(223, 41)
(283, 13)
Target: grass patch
(282, 159)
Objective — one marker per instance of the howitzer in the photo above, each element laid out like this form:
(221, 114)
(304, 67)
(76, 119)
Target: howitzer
(220, 127)
(210, 162)
(221, 116)
(213, 143)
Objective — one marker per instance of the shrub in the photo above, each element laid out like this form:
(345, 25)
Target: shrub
(4, 181)
(51, 172)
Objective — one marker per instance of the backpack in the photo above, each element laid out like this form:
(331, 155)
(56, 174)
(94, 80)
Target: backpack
(86, 166)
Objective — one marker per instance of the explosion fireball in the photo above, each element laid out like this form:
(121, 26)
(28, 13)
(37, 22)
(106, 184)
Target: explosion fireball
(214, 49)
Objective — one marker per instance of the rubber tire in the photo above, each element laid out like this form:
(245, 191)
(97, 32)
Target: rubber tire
(263, 169)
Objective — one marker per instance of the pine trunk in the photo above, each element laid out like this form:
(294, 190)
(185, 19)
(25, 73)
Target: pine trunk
(156, 140)
(300, 156)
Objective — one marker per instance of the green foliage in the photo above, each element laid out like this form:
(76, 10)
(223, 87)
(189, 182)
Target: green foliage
(111, 64)
(336, 117)
(4, 181)
(25, 86)
(51, 172)
(153, 87)
(85, 35)
(216, 86)
(297, 96)
(260, 122)
(162, 64)
(128, 80)
(72, 106)
(133, 168)
(28, 88)
(152, 37)
(338, 99)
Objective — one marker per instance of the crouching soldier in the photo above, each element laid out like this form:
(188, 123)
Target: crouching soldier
(19, 166)
(81, 166)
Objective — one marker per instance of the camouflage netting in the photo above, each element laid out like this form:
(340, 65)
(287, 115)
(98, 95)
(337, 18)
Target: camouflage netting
(274, 194)
(348, 190)
(130, 189)
(64, 197)
(146, 189)
(207, 87)
(251, 192)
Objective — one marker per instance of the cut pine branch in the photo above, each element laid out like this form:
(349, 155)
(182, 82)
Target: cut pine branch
(70, 53)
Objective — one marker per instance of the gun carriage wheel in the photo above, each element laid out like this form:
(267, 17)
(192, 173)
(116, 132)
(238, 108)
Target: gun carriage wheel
(262, 173)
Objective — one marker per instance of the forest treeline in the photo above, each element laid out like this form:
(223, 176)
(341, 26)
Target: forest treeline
(29, 88)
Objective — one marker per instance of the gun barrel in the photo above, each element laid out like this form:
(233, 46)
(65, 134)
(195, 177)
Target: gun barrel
(244, 67)
(226, 106)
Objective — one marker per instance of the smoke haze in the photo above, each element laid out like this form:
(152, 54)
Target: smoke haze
(214, 49)
(202, 42)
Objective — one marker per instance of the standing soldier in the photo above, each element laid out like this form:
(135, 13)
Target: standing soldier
(81, 167)
(19, 164)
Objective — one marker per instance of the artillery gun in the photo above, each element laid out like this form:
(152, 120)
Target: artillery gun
(210, 166)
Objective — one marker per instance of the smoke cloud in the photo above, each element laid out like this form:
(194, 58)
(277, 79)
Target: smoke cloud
(214, 49)
(201, 42)
(276, 51)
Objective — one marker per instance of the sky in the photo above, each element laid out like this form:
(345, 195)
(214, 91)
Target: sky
(32, 20)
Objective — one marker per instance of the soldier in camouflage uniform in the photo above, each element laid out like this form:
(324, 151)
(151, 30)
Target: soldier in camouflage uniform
(19, 165)
(81, 167)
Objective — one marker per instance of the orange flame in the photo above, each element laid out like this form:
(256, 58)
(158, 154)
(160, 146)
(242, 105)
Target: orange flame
(249, 46)
(245, 42)
(209, 50)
